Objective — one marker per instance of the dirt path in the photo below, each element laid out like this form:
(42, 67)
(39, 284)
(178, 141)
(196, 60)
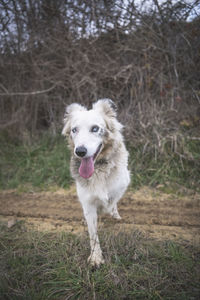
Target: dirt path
(155, 213)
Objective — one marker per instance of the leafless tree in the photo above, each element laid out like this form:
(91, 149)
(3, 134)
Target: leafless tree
(145, 57)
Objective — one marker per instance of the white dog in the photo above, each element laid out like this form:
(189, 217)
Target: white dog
(98, 164)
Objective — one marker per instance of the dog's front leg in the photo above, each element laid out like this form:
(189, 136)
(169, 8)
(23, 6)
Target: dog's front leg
(90, 213)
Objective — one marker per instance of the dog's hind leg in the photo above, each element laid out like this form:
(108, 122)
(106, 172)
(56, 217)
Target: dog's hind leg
(90, 213)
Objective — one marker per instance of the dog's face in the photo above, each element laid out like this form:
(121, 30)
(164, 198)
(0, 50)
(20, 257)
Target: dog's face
(88, 130)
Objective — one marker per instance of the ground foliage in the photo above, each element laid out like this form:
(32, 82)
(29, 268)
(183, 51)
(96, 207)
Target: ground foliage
(38, 265)
(45, 164)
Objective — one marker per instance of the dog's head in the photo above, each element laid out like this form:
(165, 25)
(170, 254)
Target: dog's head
(89, 130)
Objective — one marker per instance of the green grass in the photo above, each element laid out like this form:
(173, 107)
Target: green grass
(42, 265)
(168, 168)
(38, 265)
(45, 164)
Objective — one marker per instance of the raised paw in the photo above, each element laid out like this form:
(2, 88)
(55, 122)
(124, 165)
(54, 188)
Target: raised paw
(114, 213)
(116, 216)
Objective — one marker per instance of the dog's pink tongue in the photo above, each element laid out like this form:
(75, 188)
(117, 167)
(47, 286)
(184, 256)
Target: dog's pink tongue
(87, 167)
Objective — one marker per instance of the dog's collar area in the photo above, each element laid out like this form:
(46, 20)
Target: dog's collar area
(101, 162)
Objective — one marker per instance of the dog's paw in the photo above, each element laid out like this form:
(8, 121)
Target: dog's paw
(116, 216)
(114, 213)
(96, 259)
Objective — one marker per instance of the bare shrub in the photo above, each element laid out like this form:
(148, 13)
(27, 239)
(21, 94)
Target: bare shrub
(145, 57)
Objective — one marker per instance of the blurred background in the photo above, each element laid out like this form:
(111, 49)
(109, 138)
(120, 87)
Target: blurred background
(144, 55)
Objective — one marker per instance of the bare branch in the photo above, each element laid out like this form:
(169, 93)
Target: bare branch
(34, 93)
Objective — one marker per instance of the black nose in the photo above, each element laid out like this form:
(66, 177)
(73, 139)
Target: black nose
(81, 151)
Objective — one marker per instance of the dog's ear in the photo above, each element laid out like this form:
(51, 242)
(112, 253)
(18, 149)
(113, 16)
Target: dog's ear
(107, 107)
(67, 117)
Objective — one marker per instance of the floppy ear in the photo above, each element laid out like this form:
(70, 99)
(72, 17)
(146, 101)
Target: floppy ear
(67, 117)
(107, 107)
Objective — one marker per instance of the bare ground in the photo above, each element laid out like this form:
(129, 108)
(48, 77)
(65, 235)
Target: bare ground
(156, 214)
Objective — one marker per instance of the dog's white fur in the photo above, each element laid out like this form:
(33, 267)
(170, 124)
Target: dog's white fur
(104, 188)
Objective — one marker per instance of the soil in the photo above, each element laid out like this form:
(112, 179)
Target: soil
(155, 213)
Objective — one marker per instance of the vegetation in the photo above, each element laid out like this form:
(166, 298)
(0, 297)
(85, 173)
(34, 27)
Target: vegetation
(143, 55)
(168, 168)
(44, 164)
(54, 266)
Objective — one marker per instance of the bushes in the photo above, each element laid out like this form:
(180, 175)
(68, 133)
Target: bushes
(143, 57)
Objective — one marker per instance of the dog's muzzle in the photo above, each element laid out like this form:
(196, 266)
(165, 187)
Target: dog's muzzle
(81, 151)
(86, 168)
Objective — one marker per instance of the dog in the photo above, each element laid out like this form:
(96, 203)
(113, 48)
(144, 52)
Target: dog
(99, 163)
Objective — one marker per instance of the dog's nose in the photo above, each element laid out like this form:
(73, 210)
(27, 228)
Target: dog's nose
(81, 151)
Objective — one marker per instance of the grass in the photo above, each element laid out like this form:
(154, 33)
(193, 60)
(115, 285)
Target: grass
(45, 163)
(169, 168)
(44, 265)
(39, 265)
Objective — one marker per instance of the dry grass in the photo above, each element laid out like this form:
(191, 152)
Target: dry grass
(39, 265)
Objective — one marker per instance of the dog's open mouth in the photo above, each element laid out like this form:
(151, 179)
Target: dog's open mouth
(86, 168)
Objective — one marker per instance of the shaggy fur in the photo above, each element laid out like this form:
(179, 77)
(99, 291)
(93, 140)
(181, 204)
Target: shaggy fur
(98, 163)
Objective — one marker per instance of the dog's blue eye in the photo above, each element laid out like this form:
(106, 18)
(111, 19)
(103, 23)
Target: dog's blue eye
(95, 128)
(74, 129)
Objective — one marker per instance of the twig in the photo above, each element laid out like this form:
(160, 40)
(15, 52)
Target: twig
(28, 93)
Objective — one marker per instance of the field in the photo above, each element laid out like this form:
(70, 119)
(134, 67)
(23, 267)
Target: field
(152, 253)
